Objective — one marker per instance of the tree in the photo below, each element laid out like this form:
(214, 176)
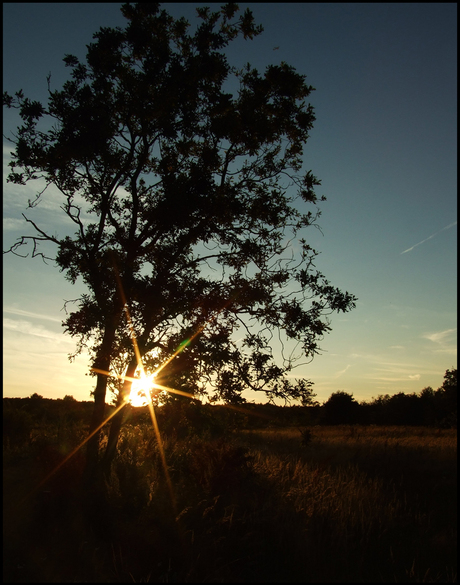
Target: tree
(446, 399)
(340, 408)
(182, 177)
(449, 386)
(428, 405)
(68, 398)
(36, 396)
(405, 409)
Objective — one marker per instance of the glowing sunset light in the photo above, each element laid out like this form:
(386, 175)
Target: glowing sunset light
(140, 389)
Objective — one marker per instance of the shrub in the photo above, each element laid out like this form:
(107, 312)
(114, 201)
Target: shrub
(17, 426)
(219, 465)
(306, 437)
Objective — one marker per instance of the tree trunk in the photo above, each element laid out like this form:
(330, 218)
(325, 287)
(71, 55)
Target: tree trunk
(102, 362)
(92, 449)
(117, 420)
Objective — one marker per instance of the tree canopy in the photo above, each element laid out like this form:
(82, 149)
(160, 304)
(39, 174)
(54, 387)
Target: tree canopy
(182, 176)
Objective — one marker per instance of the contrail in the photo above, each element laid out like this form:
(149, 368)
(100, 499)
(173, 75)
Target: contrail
(429, 238)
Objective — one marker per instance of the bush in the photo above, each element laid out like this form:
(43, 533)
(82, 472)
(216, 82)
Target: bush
(218, 465)
(306, 437)
(17, 426)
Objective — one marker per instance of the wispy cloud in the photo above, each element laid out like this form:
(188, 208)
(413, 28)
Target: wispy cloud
(13, 311)
(12, 223)
(389, 371)
(338, 374)
(393, 378)
(429, 238)
(445, 340)
(440, 336)
(26, 328)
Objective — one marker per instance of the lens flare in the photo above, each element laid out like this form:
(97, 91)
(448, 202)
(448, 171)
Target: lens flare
(140, 389)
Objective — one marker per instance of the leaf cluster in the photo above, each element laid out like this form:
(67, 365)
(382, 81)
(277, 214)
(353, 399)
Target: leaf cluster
(186, 201)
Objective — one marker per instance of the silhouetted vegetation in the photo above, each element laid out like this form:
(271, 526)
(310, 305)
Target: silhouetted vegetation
(247, 505)
(184, 418)
(182, 176)
(341, 408)
(432, 408)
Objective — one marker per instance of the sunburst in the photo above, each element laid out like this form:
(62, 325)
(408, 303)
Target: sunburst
(142, 389)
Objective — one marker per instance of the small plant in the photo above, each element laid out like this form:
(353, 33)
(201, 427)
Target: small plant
(306, 437)
(218, 465)
(353, 433)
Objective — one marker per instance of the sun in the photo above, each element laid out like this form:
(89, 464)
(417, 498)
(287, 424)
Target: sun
(140, 389)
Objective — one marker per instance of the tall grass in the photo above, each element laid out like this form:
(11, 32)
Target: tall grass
(335, 504)
(377, 503)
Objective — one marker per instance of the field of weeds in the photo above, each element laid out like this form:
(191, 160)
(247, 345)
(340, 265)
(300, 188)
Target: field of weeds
(377, 503)
(324, 504)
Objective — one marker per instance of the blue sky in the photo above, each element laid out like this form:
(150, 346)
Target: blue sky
(384, 146)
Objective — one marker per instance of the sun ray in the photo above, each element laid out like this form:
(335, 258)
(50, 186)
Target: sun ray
(70, 455)
(187, 342)
(172, 390)
(148, 396)
(162, 453)
(128, 319)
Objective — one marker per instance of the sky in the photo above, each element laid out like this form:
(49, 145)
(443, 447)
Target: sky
(384, 146)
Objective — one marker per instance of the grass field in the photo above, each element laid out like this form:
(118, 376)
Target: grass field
(333, 504)
(376, 503)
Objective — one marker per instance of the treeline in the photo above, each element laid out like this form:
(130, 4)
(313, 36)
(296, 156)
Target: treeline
(24, 419)
(426, 408)
(183, 417)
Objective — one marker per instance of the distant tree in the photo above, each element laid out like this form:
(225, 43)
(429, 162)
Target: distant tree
(449, 387)
(427, 393)
(188, 206)
(375, 410)
(404, 409)
(17, 425)
(428, 405)
(340, 408)
(69, 398)
(446, 399)
(36, 396)
(366, 413)
(450, 380)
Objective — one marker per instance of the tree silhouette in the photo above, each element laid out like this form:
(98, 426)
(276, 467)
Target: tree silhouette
(446, 399)
(182, 177)
(340, 408)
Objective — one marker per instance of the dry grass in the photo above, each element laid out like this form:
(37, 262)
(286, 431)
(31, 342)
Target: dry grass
(353, 504)
(378, 503)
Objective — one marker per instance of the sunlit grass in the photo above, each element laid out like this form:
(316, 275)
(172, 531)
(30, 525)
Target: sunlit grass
(390, 491)
(356, 504)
